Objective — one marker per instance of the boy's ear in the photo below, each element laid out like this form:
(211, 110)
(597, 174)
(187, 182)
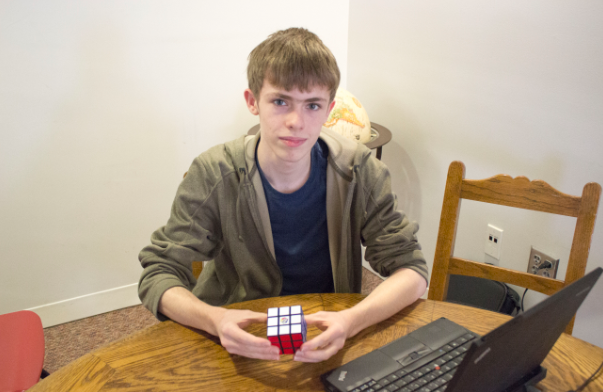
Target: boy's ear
(331, 106)
(252, 103)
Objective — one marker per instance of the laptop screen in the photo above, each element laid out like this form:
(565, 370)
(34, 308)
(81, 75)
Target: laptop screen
(507, 357)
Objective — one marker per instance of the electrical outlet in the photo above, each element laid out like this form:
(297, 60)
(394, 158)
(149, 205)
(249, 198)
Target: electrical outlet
(542, 264)
(493, 241)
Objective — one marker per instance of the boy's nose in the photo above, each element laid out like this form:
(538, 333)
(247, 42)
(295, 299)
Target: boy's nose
(295, 120)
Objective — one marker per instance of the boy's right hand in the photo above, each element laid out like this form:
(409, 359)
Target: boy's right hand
(229, 324)
(180, 305)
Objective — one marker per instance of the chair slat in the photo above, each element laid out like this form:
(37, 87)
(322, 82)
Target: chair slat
(538, 283)
(520, 192)
(197, 268)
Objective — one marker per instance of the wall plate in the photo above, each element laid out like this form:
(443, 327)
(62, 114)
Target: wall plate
(539, 264)
(493, 241)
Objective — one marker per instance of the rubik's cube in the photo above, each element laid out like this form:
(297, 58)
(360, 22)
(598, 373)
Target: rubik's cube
(286, 328)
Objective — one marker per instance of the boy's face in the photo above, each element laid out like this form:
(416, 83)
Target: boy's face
(290, 122)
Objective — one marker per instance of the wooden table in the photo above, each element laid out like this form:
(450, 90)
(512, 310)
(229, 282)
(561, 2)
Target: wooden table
(170, 357)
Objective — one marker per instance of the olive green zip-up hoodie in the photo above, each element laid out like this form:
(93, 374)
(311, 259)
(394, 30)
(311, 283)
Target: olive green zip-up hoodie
(220, 214)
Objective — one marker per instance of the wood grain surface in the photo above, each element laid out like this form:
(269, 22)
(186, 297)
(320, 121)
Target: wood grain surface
(170, 357)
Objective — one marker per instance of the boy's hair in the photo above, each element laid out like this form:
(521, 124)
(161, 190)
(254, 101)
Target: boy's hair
(293, 58)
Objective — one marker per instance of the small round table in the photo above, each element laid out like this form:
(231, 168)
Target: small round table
(380, 136)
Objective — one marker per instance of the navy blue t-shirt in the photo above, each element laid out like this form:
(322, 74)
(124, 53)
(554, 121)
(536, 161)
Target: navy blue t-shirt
(299, 230)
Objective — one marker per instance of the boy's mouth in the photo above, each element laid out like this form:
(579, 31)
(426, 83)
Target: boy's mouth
(293, 141)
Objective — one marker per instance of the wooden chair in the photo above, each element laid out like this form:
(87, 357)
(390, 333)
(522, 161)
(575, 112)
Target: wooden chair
(513, 192)
(197, 268)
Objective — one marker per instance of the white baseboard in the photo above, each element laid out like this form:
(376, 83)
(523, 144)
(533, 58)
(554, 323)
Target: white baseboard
(87, 305)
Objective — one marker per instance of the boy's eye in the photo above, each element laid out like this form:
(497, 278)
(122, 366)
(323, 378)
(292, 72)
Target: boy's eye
(279, 102)
(314, 106)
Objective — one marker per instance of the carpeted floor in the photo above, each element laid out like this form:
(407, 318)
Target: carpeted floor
(69, 341)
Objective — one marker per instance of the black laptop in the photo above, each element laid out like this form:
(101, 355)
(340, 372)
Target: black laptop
(443, 355)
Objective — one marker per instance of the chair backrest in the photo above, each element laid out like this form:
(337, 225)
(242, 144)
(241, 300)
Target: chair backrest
(197, 268)
(21, 350)
(513, 192)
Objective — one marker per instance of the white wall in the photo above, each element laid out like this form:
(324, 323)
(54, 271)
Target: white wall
(103, 105)
(509, 87)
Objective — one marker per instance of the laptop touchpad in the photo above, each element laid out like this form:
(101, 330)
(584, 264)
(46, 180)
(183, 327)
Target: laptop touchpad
(402, 348)
(438, 333)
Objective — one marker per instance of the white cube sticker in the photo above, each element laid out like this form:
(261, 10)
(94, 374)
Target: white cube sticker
(284, 311)
(272, 321)
(284, 330)
(272, 331)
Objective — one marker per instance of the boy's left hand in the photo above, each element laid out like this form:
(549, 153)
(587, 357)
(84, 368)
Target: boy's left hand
(336, 327)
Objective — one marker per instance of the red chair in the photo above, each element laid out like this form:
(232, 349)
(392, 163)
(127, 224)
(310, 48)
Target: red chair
(21, 350)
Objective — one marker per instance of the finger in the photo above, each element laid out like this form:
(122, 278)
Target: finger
(319, 341)
(242, 338)
(316, 355)
(257, 317)
(318, 320)
(270, 353)
(252, 317)
(314, 318)
(253, 347)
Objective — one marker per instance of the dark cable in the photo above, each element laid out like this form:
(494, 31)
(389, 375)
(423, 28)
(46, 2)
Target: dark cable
(522, 297)
(588, 381)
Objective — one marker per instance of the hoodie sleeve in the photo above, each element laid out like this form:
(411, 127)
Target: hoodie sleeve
(389, 236)
(192, 233)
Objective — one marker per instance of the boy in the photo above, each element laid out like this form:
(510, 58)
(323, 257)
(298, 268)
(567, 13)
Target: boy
(282, 213)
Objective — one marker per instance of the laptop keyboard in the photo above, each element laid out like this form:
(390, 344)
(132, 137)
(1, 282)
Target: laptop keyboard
(425, 375)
